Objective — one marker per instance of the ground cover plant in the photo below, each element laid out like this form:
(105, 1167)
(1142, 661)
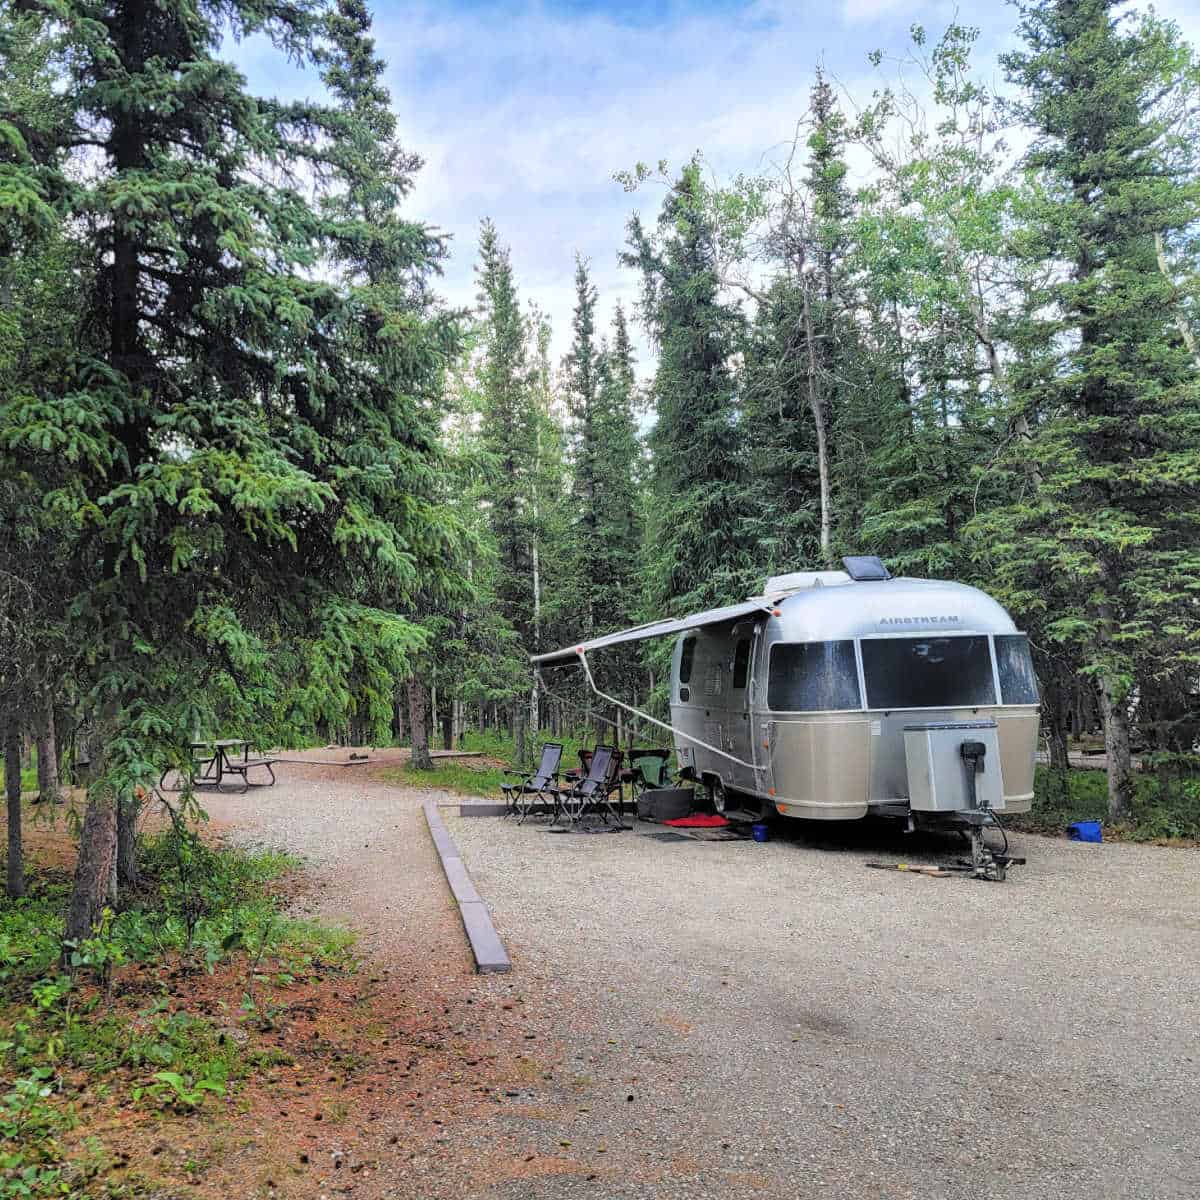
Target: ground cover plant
(160, 1015)
(1165, 807)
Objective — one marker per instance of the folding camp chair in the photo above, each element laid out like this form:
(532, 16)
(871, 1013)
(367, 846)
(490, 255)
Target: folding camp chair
(647, 769)
(520, 797)
(593, 793)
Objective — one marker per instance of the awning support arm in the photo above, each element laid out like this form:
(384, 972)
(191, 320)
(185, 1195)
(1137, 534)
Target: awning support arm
(645, 716)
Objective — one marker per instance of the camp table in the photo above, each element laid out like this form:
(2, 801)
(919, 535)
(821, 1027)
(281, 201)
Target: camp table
(216, 759)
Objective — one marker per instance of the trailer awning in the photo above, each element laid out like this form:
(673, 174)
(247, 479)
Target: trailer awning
(715, 616)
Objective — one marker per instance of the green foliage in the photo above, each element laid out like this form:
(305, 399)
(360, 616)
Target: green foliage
(1164, 807)
(697, 477)
(510, 432)
(1104, 374)
(241, 451)
(29, 1158)
(247, 463)
(603, 592)
(200, 907)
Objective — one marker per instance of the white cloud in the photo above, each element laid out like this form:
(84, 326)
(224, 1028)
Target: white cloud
(524, 115)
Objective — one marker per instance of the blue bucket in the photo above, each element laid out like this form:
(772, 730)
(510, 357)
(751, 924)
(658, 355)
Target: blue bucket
(761, 833)
(1085, 831)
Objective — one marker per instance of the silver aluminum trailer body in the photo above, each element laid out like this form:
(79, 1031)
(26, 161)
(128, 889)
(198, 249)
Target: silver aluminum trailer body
(808, 699)
(801, 697)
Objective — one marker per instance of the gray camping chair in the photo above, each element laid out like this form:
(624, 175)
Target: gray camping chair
(593, 793)
(520, 797)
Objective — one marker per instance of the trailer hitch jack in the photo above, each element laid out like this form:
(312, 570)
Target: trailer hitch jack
(985, 863)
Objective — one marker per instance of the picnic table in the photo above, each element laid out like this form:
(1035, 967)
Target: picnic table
(215, 758)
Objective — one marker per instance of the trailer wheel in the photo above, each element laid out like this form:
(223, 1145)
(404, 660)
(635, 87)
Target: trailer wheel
(717, 794)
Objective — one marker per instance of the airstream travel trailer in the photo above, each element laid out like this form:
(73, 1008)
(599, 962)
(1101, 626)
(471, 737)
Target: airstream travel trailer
(835, 694)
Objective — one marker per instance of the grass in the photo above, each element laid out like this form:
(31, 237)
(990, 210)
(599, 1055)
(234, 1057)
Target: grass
(1162, 811)
(477, 776)
(481, 776)
(125, 1022)
(465, 777)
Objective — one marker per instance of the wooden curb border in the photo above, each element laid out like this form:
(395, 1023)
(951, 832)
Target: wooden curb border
(490, 956)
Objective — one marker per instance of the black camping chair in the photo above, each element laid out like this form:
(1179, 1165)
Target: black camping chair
(593, 793)
(520, 797)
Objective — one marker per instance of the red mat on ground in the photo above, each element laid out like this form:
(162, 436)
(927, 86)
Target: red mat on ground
(699, 821)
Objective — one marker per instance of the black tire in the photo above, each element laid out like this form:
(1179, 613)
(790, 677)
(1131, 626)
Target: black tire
(718, 794)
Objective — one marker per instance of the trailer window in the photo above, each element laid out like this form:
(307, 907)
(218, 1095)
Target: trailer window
(741, 663)
(685, 659)
(813, 677)
(940, 672)
(1014, 664)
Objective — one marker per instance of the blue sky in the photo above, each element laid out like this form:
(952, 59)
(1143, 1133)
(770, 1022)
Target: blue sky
(523, 111)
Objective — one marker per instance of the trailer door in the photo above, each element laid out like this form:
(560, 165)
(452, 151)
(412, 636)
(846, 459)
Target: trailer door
(740, 722)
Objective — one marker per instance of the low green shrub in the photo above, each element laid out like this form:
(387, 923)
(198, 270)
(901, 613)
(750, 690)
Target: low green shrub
(198, 906)
(1166, 805)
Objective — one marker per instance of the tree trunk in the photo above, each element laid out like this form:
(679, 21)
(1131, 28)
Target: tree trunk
(15, 883)
(518, 721)
(399, 704)
(1059, 759)
(433, 712)
(1056, 713)
(420, 730)
(535, 716)
(1115, 708)
(127, 862)
(816, 406)
(47, 754)
(97, 850)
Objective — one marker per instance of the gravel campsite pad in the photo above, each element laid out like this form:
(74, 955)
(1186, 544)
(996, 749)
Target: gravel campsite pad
(789, 1023)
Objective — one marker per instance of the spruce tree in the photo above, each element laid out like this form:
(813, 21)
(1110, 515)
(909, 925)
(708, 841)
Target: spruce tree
(236, 477)
(1105, 370)
(517, 444)
(695, 557)
(803, 356)
(582, 374)
(613, 550)
(618, 478)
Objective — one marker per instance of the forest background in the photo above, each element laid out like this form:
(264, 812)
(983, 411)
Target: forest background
(256, 476)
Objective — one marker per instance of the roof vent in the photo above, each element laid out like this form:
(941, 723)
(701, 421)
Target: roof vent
(865, 568)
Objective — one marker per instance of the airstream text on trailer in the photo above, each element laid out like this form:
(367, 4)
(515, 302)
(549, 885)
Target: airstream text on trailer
(835, 694)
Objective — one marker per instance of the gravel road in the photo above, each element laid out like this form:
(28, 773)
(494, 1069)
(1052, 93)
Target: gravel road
(775, 1020)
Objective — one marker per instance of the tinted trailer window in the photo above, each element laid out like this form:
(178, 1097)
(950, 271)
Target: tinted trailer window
(813, 677)
(940, 672)
(1014, 665)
